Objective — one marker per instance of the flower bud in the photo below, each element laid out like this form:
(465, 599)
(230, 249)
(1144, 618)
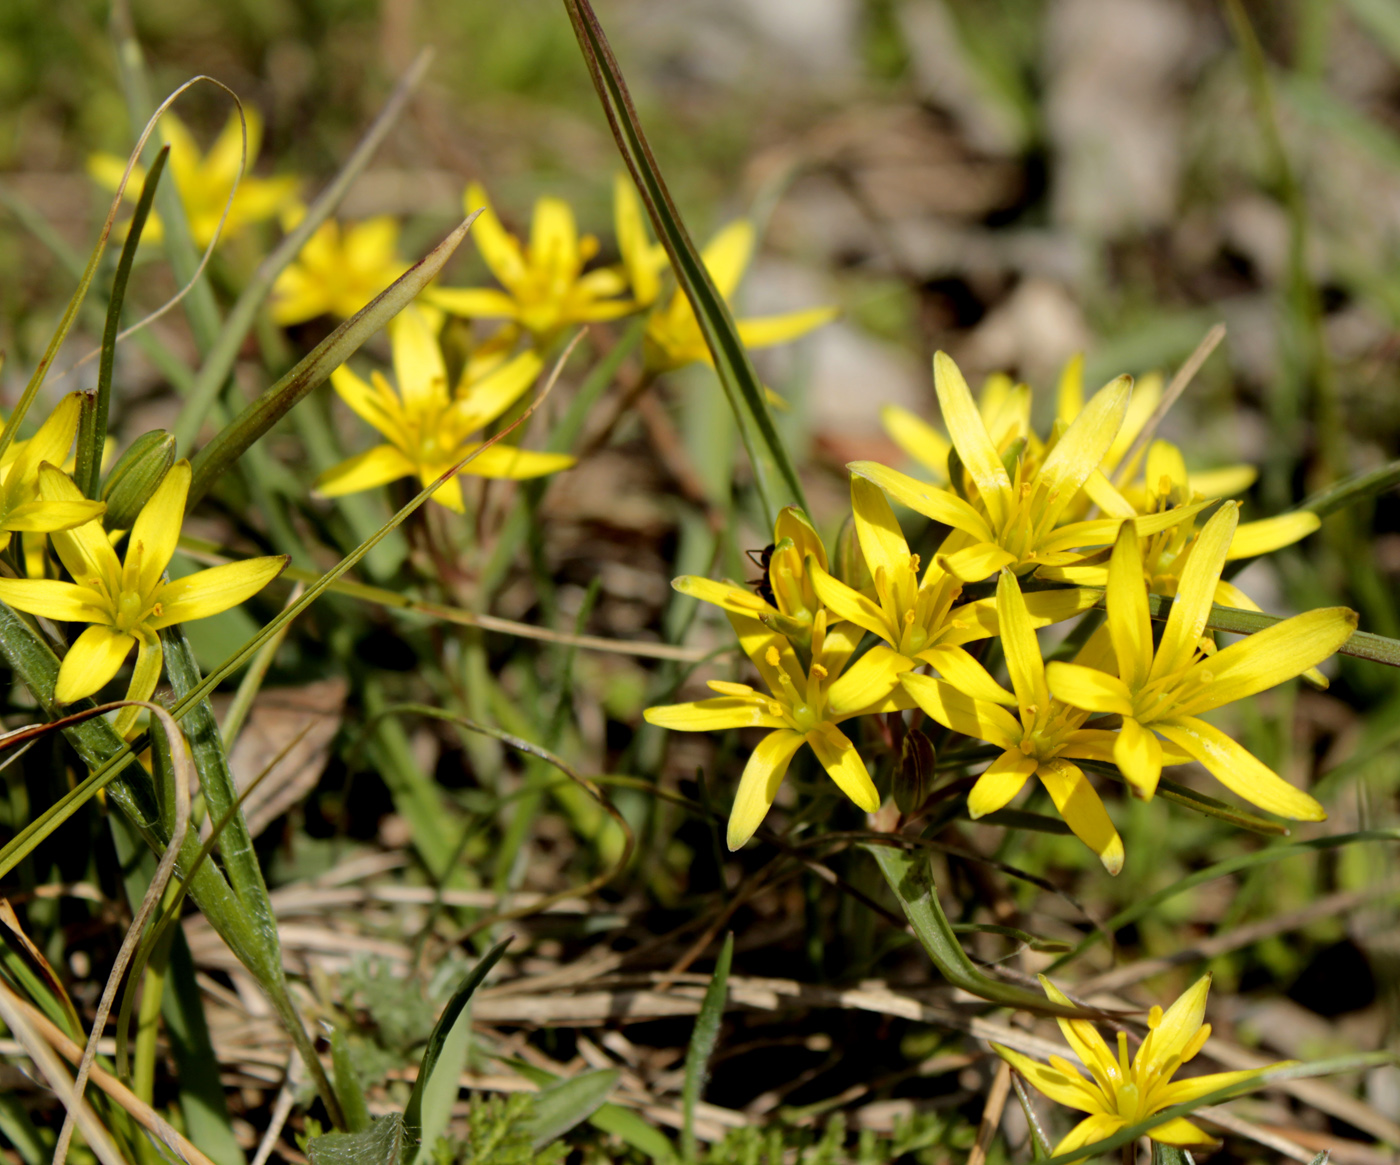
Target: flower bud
(851, 567)
(913, 776)
(135, 476)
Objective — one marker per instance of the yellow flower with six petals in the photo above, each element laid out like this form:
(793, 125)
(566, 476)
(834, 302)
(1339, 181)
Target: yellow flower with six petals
(339, 270)
(1120, 1092)
(1166, 688)
(428, 429)
(128, 602)
(22, 510)
(805, 707)
(204, 180)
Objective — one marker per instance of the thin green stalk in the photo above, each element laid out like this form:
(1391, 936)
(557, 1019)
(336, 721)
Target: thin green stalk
(92, 429)
(737, 375)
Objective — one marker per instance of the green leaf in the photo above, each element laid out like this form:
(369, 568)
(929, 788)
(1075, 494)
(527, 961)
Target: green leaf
(1170, 1155)
(562, 1105)
(911, 878)
(381, 1144)
(1023, 819)
(413, 1112)
(443, 1083)
(347, 1085)
(736, 371)
(1357, 488)
(92, 428)
(611, 1118)
(274, 404)
(1199, 802)
(702, 1046)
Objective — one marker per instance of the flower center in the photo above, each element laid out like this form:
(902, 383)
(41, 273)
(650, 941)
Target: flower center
(130, 609)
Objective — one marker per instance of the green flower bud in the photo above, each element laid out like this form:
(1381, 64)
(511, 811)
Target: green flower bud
(135, 476)
(913, 776)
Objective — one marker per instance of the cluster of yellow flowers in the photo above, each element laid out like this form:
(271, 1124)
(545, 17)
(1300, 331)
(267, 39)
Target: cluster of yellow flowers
(1019, 509)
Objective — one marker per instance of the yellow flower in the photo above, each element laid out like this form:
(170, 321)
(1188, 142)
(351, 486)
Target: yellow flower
(338, 271)
(545, 285)
(1045, 740)
(1119, 1093)
(787, 581)
(642, 260)
(1015, 522)
(428, 429)
(673, 338)
(204, 180)
(918, 619)
(1005, 409)
(127, 603)
(805, 707)
(22, 510)
(1165, 689)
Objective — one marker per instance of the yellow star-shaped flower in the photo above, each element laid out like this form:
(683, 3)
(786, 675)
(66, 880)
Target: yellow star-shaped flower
(428, 429)
(340, 269)
(127, 603)
(22, 510)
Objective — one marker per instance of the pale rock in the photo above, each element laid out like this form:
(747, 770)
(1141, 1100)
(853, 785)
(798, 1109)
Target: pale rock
(1033, 331)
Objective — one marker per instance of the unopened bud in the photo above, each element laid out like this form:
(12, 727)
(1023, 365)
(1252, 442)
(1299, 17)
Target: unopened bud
(913, 776)
(135, 476)
(851, 567)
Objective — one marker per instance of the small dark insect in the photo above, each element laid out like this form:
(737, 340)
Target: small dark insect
(762, 586)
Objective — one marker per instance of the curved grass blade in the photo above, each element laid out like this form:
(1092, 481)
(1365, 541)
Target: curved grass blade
(274, 404)
(611, 1118)
(92, 429)
(347, 1085)
(702, 1047)
(1357, 488)
(911, 879)
(1229, 866)
(1190, 799)
(413, 1111)
(566, 1103)
(736, 371)
(218, 363)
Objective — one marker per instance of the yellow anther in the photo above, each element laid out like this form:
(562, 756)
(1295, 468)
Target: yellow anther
(908, 618)
(914, 563)
(772, 656)
(820, 672)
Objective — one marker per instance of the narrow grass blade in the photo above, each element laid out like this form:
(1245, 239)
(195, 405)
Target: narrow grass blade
(1130, 1134)
(24, 965)
(413, 1111)
(1357, 488)
(1034, 942)
(218, 363)
(736, 371)
(612, 1118)
(1199, 802)
(1229, 866)
(566, 1103)
(211, 461)
(92, 430)
(910, 878)
(702, 1047)
(347, 1085)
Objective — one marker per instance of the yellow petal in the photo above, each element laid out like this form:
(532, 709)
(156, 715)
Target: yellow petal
(84, 550)
(1195, 593)
(869, 682)
(207, 592)
(1092, 1129)
(977, 562)
(474, 303)
(966, 674)
(373, 467)
(952, 709)
(144, 678)
(1177, 1027)
(227, 155)
(1082, 810)
(1138, 753)
(156, 531)
(1270, 657)
(756, 640)
(838, 756)
(554, 242)
(1088, 688)
(793, 524)
(1018, 641)
(1081, 449)
(851, 605)
(1129, 618)
(881, 540)
(969, 435)
(1194, 1087)
(1071, 1091)
(1108, 499)
(1270, 534)
(95, 657)
(765, 331)
(1000, 781)
(632, 241)
(1069, 398)
(1043, 607)
(920, 496)
(1083, 1037)
(1164, 460)
(418, 365)
(487, 398)
(920, 440)
(727, 256)
(377, 405)
(499, 248)
(44, 517)
(1240, 770)
(52, 599)
(1181, 1133)
(53, 440)
(713, 715)
(506, 461)
(726, 596)
(1223, 483)
(759, 784)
